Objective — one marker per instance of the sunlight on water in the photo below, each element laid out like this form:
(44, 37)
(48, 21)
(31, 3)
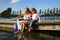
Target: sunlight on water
(41, 17)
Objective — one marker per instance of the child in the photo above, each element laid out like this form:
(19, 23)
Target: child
(35, 18)
(27, 18)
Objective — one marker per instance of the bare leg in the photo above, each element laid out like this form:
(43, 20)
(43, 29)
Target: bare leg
(22, 26)
(16, 32)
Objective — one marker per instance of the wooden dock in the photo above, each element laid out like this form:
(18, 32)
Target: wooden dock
(42, 25)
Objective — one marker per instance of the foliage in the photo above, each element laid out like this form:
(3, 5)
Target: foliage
(50, 12)
(6, 13)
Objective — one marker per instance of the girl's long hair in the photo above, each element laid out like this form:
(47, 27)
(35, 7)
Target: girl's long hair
(27, 10)
(34, 10)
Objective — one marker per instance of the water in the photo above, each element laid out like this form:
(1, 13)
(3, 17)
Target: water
(42, 18)
(27, 36)
(2, 18)
(50, 17)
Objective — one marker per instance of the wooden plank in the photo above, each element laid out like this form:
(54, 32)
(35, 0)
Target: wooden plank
(42, 25)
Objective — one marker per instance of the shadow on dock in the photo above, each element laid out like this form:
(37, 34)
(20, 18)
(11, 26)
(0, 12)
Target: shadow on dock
(33, 35)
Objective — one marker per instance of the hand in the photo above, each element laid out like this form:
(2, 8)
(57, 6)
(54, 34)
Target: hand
(17, 17)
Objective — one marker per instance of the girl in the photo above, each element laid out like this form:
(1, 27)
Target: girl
(35, 18)
(27, 18)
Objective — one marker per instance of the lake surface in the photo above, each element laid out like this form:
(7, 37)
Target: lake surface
(42, 18)
(27, 36)
(49, 17)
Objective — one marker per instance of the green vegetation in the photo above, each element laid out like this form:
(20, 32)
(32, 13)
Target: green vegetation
(6, 13)
(15, 13)
(50, 12)
(9, 13)
(47, 12)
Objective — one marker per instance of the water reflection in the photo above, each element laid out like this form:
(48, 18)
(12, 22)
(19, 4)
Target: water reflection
(41, 17)
(35, 36)
(49, 17)
(24, 36)
(27, 36)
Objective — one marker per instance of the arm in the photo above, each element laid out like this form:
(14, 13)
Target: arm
(38, 17)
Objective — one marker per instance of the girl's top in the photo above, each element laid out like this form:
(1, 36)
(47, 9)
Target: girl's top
(27, 16)
(35, 16)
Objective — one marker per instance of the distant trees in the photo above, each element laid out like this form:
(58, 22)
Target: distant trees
(53, 10)
(9, 13)
(6, 13)
(47, 12)
(40, 12)
(16, 13)
(20, 12)
(50, 12)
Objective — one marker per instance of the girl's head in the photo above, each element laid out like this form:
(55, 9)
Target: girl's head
(26, 10)
(33, 10)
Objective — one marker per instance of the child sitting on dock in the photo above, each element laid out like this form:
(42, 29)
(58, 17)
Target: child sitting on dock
(35, 18)
(17, 26)
(27, 18)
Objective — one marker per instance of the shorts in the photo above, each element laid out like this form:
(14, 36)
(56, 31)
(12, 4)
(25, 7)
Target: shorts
(32, 22)
(27, 24)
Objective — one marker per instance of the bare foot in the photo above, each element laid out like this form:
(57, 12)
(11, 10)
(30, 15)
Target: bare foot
(29, 29)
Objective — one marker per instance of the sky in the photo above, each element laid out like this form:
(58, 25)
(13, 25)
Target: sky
(21, 4)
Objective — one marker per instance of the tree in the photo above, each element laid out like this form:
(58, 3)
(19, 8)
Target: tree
(17, 13)
(59, 10)
(9, 12)
(6, 13)
(48, 11)
(45, 11)
(40, 12)
(20, 12)
(13, 13)
(56, 10)
(53, 10)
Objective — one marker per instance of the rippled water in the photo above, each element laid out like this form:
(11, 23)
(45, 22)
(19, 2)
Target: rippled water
(49, 17)
(41, 17)
(27, 36)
